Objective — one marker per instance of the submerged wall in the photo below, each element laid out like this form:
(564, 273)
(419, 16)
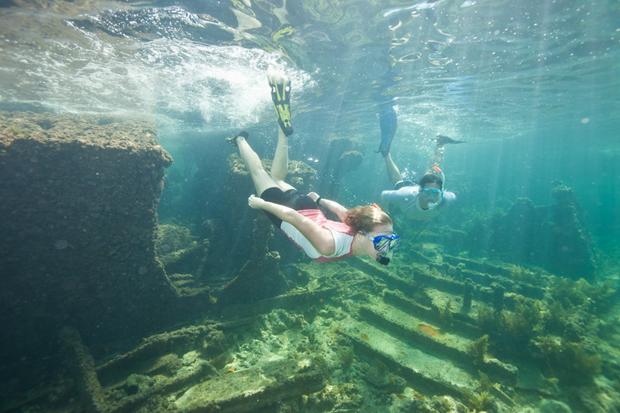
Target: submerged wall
(78, 214)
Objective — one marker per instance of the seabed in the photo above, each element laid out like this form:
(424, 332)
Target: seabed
(348, 337)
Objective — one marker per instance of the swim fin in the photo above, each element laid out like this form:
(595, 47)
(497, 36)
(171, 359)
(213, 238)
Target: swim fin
(387, 124)
(281, 97)
(444, 140)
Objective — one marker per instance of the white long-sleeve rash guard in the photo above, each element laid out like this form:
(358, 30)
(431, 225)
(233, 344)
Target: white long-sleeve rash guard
(407, 198)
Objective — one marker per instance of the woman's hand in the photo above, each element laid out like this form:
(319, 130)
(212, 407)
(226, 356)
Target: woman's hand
(255, 202)
(313, 195)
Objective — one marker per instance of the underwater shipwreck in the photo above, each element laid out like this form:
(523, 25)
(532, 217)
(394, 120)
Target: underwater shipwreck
(104, 309)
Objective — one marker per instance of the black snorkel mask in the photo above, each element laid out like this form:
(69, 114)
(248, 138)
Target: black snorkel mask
(385, 246)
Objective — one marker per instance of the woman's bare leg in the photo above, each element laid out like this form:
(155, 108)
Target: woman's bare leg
(392, 169)
(279, 166)
(280, 94)
(262, 180)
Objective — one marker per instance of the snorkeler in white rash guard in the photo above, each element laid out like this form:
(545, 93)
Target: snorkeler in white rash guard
(425, 199)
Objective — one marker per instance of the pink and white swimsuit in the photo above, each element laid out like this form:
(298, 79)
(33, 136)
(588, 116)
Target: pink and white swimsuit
(342, 233)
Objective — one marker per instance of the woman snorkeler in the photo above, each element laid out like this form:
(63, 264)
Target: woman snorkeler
(363, 230)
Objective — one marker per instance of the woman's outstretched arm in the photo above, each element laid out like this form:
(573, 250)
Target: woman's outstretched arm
(333, 206)
(321, 239)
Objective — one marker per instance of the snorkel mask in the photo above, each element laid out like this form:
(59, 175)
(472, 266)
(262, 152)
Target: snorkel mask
(433, 196)
(385, 246)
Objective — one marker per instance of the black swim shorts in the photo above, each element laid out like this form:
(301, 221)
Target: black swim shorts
(402, 183)
(291, 198)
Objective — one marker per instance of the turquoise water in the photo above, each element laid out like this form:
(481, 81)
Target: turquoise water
(533, 87)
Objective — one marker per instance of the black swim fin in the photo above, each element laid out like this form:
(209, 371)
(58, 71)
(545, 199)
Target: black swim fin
(281, 97)
(444, 140)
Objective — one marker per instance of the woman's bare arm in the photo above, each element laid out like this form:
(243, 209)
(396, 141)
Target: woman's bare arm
(333, 206)
(320, 237)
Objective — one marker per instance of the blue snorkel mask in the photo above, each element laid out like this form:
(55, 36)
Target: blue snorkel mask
(385, 246)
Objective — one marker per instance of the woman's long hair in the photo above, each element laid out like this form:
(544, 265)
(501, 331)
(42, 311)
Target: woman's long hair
(364, 218)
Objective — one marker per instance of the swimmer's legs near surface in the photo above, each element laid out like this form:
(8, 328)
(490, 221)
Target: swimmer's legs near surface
(392, 170)
(440, 143)
(280, 95)
(279, 166)
(438, 155)
(387, 125)
(261, 179)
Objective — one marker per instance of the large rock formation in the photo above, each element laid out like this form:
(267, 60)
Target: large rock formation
(78, 214)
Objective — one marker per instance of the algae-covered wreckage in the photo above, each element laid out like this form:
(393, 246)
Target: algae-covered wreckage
(105, 310)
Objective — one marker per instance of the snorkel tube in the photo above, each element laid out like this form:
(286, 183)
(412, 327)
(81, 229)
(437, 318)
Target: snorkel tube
(439, 197)
(436, 170)
(383, 260)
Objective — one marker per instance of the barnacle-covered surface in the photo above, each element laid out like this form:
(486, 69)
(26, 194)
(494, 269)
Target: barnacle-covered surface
(78, 218)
